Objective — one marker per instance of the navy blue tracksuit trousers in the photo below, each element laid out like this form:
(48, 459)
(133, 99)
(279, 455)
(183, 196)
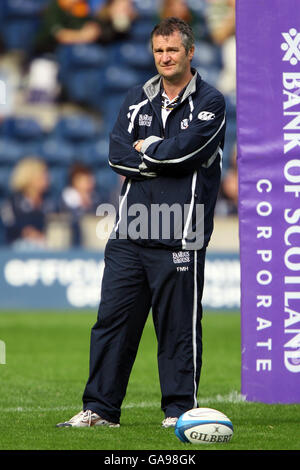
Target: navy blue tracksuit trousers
(135, 279)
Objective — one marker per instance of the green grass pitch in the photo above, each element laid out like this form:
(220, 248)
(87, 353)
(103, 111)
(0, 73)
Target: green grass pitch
(46, 368)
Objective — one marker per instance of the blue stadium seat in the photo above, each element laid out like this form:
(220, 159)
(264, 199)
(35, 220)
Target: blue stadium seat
(114, 82)
(84, 85)
(22, 129)
(95, 154)
(207, 55)
(23, 7)
(106, 181)
(2, 17)
(141, 29)
(117, 78)
(2, 228)
(197, 6)
(58, 180)
(230, 100)
(82, 55)
(230, 142)
(95, 86)
(10, 151)
(109, 107)
(132, 54)
(56, 152)
(209, 74)
(231, 135)
(5, 175)
(90, 72)
(79, 67)
(20, 23)
(104, 82)
(146, 8)
(76, 128)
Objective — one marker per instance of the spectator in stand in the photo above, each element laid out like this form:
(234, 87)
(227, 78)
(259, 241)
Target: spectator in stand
(79, 198)
(180, 9)
(74, 22)
(220, 15)
(119, 14)
(176, 8)
(67, 22)
(24, 213)
(221, 19)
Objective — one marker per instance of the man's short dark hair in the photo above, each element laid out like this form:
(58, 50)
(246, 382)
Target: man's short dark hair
(169, 26)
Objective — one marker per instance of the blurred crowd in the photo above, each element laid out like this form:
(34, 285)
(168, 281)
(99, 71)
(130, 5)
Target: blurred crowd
(88, 53)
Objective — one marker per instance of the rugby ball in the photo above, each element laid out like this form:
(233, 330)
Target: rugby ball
(204, 426)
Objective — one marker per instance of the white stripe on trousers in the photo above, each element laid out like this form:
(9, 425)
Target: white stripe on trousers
(195, 311)
(121, 205)
(191, 207)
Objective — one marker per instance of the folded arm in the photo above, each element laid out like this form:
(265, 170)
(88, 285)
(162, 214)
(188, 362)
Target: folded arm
(191, 148)
(123, 156)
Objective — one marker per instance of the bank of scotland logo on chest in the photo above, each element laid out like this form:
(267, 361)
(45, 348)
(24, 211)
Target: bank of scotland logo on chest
(291, 46)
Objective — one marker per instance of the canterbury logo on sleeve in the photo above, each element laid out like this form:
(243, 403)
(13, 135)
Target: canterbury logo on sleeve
(206, 116)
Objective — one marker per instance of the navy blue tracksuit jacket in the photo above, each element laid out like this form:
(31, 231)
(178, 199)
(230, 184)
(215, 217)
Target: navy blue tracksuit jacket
(179, 166)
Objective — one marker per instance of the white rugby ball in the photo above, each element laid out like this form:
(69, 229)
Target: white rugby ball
(204, 426)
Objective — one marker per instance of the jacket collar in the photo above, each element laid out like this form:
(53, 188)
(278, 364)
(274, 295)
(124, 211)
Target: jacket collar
(153, 86)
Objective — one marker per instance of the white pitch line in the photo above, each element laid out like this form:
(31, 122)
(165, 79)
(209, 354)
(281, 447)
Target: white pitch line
(232, 397)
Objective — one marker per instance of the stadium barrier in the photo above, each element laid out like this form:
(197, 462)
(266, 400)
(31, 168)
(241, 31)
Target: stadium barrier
(72, 280)
(268, 121)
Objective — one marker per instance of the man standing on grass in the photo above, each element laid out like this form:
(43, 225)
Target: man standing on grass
(167, 142)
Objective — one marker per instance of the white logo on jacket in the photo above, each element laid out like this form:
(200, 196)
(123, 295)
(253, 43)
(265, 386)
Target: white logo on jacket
(206, 116)
(145, 120)
(184, 124)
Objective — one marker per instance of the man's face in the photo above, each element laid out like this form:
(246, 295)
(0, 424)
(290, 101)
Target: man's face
(171, 60)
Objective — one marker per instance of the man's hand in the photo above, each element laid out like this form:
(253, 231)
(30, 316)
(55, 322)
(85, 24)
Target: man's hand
(138, 145)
